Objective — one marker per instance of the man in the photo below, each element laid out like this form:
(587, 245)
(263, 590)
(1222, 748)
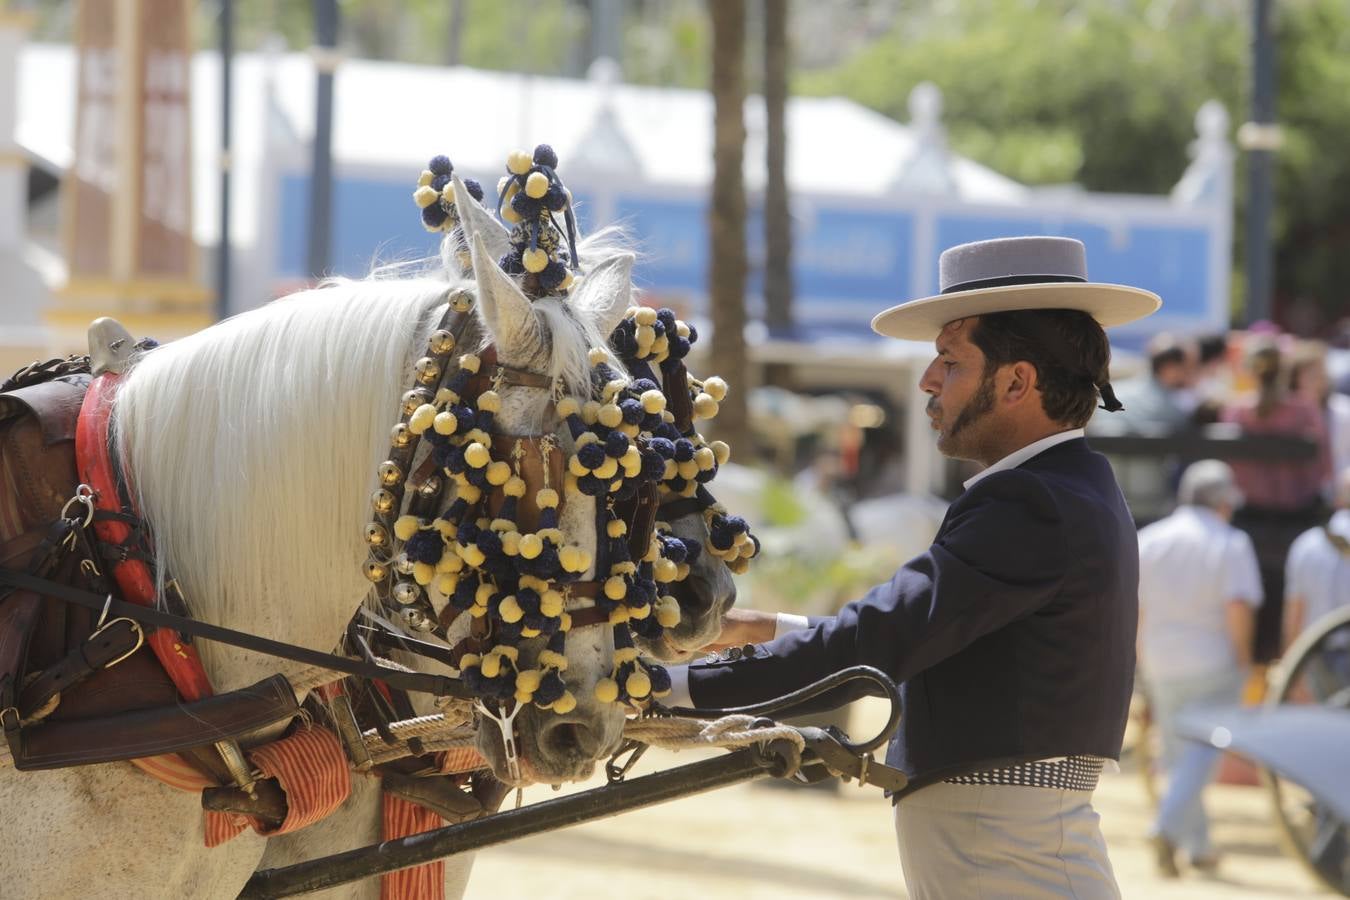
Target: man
(1012, 636)
(1317, 576)
(1199, 587)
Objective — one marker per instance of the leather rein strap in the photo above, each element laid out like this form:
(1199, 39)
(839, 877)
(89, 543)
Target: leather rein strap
(437, 685)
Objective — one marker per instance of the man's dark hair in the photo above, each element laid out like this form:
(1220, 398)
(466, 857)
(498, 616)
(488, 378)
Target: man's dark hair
(1163, 351)
(1067, 347)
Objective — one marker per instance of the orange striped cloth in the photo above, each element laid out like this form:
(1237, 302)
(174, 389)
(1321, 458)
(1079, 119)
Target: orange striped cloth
(311, 768)
(309, 765)
(402, 818)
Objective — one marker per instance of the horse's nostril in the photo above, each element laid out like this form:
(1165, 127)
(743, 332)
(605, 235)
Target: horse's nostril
(564, 739)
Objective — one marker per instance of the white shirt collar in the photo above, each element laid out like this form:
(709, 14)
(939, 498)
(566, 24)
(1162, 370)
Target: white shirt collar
(1017, 457)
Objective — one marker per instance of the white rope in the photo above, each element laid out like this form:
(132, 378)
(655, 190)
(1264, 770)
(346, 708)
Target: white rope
(728, 731)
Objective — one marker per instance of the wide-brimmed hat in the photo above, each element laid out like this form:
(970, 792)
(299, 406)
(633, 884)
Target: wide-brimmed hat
(1007, 274)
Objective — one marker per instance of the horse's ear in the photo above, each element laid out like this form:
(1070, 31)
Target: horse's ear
(607, 291)
(474, 219)
(506, 312)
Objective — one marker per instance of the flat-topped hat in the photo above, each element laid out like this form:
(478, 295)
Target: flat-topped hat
(1008, 274)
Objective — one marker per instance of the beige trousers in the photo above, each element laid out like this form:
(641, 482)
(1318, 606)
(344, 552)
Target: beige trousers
(964, 842)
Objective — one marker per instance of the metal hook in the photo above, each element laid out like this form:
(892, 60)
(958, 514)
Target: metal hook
(83, 494)
(506, 725)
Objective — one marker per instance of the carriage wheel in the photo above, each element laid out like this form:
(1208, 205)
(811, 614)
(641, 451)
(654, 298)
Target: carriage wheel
(1315, 670)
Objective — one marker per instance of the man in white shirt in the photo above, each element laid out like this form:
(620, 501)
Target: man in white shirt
(1317, 572)
(1199, 586)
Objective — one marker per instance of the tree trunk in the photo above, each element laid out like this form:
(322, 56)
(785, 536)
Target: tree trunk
(777, 212)
(726, 276)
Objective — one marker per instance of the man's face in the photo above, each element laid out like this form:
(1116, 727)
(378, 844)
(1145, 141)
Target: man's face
(961, 398)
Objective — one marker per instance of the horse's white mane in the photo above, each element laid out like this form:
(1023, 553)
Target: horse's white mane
(252, 446)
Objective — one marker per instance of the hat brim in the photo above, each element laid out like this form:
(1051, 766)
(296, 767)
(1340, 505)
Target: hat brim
(924, 319)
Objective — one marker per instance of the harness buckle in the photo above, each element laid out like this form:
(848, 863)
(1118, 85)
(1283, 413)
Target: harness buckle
(135, 626)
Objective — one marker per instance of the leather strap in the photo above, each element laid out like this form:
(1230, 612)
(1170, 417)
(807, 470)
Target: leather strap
(438, 685)
(18, 616)
(149, 732)
(105, 647)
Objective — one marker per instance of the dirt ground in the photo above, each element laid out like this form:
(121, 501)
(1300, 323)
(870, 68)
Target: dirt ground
(769, 840)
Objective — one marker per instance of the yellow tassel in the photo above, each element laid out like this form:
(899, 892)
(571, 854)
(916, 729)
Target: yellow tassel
(477, 455)
(565, 704)
(610, 415)
(491, 665)
(536, 185)
(519, 162)
(445, 423)
(638, 684)
(550, 660)
(705, 458)
(423, 573)
(446, 584)
(716, 388)
(514, 487)
(607, 690)
(664, 570)
(653, 401)
(590, 412)
(625, 655)
(644, 315)
(490, 401)
(546, 498)
(667, 611)
(576, 467)
(616, 588)
(528, 680)
(705, 407)
(530, 546)
(425, 195)
(534, 260)
(509, 609)
(426, 178)
(721, 452)
(406, 526)
(511, 543)
(568, 406)
(551, 603)
(498, 473)
(422, 418)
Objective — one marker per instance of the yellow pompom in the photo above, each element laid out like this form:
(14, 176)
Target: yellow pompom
(498, 473)
(426, 178)
(551, 603)
(625, 655)
(738, 566)
(632, 468)
(653, 401)
(423, 573)
(610, 415)
(705, 458)
(422, 418)
(705, 407)
(534, 260)
(586, 437)
(406, 526)
(627, 567)
(477, 455)
(616, 528)
(597, 355)
(530, 546)
(536, 185)
(490, 401)
(511, 653)
(450, 563)
(716, 388)
(470, 363)
(721, 452)
(576, 467)
(565, 704)
(510, 215)
(618, 615)
(670, 470)
(590, 412)
(425, 195)
(664, 570)
(645, 336)
(681, 328)
(502, 183)
(551, 534)
(607, 469)
(446, 584)
(660, 348)
(550, 660)
(616, 588)
(568, 406)
(511, 543)
(607, 690)
(667, 611)
(638, 684)
(687, 469)
(546, 498)
(491, 665)
(644, 315)
(471, 493)
(448, 193)
(445, 423)
(683, 572)
(515, 487)
(639, 612)
(527, 680)
(631, 430)
(653, 551)
(483, 594)
(519, 162)
(473, 556)
(566, 626)
(612, 389)
(573, 559)
(533, 583)
(477, 611)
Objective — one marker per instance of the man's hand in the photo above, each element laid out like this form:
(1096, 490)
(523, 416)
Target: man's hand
(744, 626)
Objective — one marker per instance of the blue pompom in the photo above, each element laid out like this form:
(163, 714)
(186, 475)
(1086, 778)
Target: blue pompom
(464, 417)
(660, 679)
(666, 316)
(650, 422)
(653, 466)
(433, 216)
(555, 199)
(477, 477)
(526, 206)
(467, 533)
(684, 450)
(673, 549)
(632, 411)
(721, 537)
(592, 455)
(475, 189)
(528, 598)
(616, 444)
(553, 275)
(425, 547)
(642, 385)
(465, 592)
(490, 542)
(693, 333)
(441, 165)
(510, 263)
(663, 446)
(440, 181)
(692, 551)
(545, 156)
(592, 486)
(678, 348)
(550, 689)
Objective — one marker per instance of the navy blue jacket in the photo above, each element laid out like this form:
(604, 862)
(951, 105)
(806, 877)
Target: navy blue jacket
(1012, 636)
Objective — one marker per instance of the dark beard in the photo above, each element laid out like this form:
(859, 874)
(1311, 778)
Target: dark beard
(979, 405)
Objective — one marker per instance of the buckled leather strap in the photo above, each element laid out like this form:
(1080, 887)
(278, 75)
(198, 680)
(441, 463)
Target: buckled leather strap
(106, 647)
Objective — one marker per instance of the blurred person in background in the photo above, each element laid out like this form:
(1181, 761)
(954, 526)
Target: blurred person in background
(1198, 588)
(1310, 381)
(1163, 399)
(1213, 382)
(1283, 496)
(1317, 580)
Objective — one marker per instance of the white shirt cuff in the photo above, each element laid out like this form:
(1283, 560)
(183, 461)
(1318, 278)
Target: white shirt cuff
(786, 622)
(679, 687)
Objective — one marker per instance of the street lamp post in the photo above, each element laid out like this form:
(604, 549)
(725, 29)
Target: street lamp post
(1260, 137)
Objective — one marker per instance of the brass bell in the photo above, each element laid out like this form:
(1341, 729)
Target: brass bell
(376, 571)
(376, 534)
(415, 619)
(406, 593)
(441, 343)
(390, 473)
(382, 502)
(403, 565)
(431, 488)
(415, 398)
(461, 301)
(428, 371)
(400, 437)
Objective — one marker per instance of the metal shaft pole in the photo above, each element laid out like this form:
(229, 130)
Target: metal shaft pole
(321, 172)
(1260, 163)
(600, 803)
(226, 138)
